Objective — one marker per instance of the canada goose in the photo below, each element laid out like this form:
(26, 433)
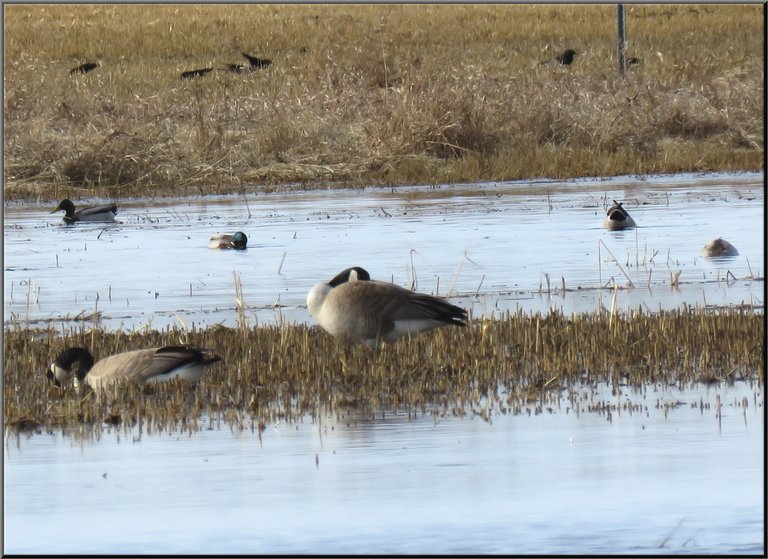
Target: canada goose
(141, 365)
(257, 62)
(719, 247)
(105, 212)
(566, 58)
(618, 218)
(84, 68)
(195, 73)
(353, 305)
(238, 241)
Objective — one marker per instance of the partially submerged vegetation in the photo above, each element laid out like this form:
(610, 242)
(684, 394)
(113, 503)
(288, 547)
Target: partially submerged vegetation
(282, 373)
(376, 94)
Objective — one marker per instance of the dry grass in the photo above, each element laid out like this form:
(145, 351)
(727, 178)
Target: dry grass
(286, 372)
(360, 95)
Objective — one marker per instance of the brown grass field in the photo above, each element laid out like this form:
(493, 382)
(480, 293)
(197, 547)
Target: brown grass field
(371, 95)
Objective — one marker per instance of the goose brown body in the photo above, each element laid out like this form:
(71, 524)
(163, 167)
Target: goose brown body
(351, 305)
(141, 365)
(719, 247)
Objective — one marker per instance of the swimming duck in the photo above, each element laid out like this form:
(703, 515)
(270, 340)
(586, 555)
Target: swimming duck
(618, 218)
(141, 365)
(105, 212)
(238, 241)
(719, 247)
(353, 305)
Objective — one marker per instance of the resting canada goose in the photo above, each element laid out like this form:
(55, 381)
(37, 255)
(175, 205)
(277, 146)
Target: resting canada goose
(238, 241)
(84, 68)
(105, 212)
(257, 62)
(141, 365)
(719, 247)
(618, 218)
(353, 305)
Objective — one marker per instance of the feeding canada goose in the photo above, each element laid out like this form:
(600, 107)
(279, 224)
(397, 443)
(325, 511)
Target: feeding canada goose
(237, 241)
(353, 305)
(257, 62)
(141, 365)
(719, 247)
(105, 212)
(618, 218)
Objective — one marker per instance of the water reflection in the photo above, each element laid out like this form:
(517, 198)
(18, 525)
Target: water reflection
(494, 247)
(659, 470)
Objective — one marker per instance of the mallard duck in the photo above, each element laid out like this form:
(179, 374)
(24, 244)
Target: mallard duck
(618, 218)
(141, 365)
(353, 305)
(105, 212)
(238, 241)
(719, 247)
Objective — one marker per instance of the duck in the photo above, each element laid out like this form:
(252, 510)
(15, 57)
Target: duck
(352, 305)
(105, 212)
(237, 241)
(618, 218)
(156, 364)
(719, 247)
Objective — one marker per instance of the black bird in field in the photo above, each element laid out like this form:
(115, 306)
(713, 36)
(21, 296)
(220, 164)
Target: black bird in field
(633, 60)
(84, 68)
(236, 68)
(195, 73)
(257, 62)
(566, 58)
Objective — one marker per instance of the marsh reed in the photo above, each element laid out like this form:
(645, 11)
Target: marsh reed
(284, 372)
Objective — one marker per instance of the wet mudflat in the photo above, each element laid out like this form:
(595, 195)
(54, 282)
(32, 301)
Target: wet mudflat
(491, 247)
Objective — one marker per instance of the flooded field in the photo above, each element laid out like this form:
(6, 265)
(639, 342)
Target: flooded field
(577, 462)
(655, 471)
(491, 247)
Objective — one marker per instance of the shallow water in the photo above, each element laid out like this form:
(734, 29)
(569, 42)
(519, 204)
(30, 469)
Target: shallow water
(490, 245)
(665, 475)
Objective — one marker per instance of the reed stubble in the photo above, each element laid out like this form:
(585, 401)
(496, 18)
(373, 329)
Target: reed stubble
(282, 373)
